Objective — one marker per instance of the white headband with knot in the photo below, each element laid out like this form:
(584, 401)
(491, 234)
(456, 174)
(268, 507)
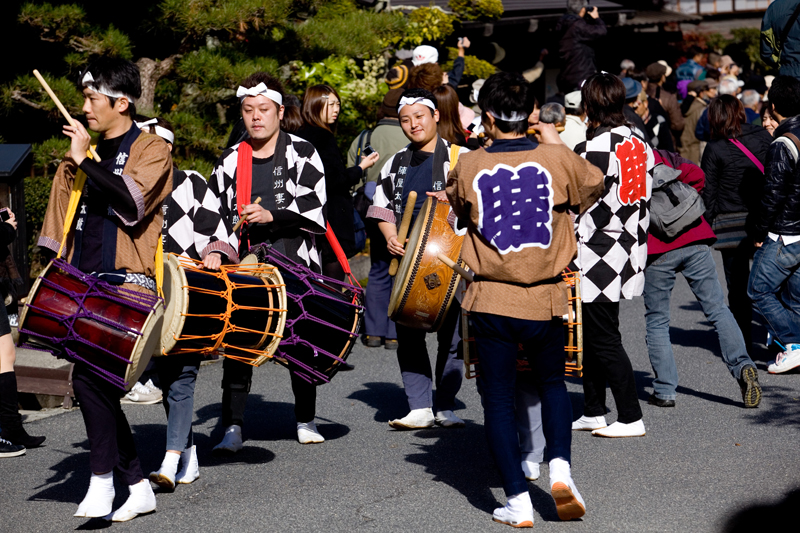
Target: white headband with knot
(161, 131)
(404, 101)
(514, 117)
(88, 81)
(261, 88)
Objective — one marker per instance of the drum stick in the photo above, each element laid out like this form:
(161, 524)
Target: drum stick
(402, 233)
(241, 220)
(61, 107)
(456, 267)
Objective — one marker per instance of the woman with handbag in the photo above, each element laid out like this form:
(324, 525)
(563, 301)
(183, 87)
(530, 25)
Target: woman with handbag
(733, 162)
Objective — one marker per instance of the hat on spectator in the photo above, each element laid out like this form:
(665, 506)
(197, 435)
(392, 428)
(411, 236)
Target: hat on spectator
(655, 71)
(725, 61)
(572, 100)
(632, 88)
(397, 77)
(389, 104)
(711, 84)
(697, 85)
(424, 54)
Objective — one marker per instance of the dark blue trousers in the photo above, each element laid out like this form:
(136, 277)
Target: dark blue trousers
(379, 288)
(497, 341)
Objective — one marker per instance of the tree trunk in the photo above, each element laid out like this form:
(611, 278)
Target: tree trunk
(151, 71)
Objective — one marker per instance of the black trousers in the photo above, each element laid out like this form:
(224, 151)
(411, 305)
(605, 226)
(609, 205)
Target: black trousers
(736, 263)
(606, 362)
(111, 445)
(236, 380)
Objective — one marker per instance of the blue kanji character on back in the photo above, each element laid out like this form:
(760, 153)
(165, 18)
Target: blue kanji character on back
(515, 206)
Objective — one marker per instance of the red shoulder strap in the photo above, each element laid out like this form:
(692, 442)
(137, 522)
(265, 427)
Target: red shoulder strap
(244, 175)
(340, 255)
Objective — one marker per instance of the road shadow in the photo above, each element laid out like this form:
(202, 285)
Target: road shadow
(780, 407)
(263, 421)
(764, 516)
(388, 399)
(461, 459)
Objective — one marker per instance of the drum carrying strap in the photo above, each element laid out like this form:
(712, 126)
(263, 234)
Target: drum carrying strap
(340, 255)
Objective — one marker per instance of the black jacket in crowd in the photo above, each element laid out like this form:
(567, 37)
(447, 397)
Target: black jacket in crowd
(780, 203)
(733, 182)
(576, 49)
(338, 182)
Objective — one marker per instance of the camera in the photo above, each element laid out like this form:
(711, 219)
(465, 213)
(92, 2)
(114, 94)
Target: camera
(4, 214)
(367, 151)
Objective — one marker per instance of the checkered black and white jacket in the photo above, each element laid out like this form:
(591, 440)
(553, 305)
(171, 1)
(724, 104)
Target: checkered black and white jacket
(299, 186)
(612, 234)
(193, 225)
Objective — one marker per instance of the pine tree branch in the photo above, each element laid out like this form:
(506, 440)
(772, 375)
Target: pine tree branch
(17, 96)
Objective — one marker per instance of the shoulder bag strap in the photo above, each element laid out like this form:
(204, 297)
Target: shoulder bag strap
(748, 153)
(792, 137)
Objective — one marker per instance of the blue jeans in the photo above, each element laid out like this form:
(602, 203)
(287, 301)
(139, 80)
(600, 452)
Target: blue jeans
(775, 288)
(698, 267)
(497, 340)
(178, 376)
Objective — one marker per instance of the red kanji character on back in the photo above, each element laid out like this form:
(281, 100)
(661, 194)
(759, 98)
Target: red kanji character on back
(632, 159)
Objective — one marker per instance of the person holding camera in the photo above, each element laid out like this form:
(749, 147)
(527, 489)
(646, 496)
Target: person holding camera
(580, 28)
(13, 438)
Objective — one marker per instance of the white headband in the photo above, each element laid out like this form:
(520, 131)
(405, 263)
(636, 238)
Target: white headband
(88, 81)
(411, 101)
(161, 131)
(261, 88)
(515, 116)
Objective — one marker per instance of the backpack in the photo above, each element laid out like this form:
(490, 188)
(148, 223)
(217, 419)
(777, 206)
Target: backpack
(674, 205)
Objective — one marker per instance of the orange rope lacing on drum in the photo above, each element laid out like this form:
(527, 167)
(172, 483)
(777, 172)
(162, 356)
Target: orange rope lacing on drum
(217, 338)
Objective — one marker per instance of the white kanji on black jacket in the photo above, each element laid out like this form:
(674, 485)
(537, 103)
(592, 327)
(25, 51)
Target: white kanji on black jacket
(298, 185)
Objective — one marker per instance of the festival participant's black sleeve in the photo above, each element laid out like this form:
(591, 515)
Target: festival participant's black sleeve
(118, 195)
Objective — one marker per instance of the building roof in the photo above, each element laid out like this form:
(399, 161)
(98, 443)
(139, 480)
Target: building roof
(11, 157)
(515, 8)
(651, 18)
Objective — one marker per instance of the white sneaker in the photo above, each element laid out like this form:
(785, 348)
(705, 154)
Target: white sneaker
(531, 470)
(99, 498)
(142, 395)
(141, 501)
(165, 476)
(416, 419)
(518, 512)
(307, 433)
(448, 419)
(619, 430)
(569, 503)
(152, 387)
(589, 423)
(231, 442)
(190, 468)
(785, 361)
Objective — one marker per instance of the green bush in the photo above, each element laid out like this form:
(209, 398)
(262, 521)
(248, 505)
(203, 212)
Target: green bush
(426, 24)
(473, 67)
(477, 9)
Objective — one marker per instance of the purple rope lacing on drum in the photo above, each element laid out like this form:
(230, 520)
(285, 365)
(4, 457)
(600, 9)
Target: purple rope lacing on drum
(278, 259)
(96, 288)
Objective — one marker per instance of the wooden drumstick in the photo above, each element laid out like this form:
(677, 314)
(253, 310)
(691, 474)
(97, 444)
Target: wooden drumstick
(241, 220)
(61, 108)
(456, 267)
(402, 232)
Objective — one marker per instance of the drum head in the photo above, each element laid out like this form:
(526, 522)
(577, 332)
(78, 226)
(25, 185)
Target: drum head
(409, 260)
(176, 295)
(272, 277)
(34, 289)
(147, 344)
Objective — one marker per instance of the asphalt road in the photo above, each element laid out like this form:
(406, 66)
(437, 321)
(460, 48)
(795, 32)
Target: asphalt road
(699, 464)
